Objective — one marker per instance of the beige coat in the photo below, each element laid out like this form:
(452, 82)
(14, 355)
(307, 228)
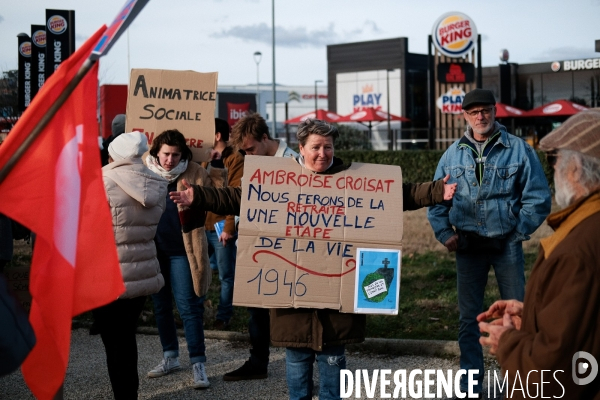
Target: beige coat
(137, 198)
(561, 311)
(192, 225)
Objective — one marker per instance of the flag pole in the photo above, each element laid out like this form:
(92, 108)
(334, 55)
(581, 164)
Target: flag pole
(83, 70)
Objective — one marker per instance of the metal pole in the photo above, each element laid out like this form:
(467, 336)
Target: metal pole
(257, 58)
(391, 139)
(287, 127)
(479, 69)
(274, 102)
(316, 97)
(128, 64)
(46, 118)
(430, 95)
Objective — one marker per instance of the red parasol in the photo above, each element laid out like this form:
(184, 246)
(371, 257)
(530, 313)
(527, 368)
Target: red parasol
(561, 108)
(369, 114)
(504, 111)
(323, 115)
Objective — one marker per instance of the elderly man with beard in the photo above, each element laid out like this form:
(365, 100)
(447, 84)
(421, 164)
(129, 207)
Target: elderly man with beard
(555, 330)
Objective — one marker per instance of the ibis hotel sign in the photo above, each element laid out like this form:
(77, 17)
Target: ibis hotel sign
(454, 34)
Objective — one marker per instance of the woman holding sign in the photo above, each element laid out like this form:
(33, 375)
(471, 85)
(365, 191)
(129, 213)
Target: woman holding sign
(183, 256)
(313, 334)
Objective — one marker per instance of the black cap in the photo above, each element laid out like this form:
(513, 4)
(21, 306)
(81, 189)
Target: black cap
(478, 96)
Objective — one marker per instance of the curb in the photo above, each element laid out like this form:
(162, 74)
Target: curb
(218, 335)
(396, 347)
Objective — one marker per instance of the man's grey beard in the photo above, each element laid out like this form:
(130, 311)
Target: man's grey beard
(564, 190)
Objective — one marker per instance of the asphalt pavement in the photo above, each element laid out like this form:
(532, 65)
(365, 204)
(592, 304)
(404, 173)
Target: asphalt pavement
(87, 377)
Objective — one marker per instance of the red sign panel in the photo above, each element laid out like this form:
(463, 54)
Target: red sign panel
(455, 72)
(236, 111)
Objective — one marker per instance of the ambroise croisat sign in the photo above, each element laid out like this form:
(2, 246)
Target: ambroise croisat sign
(304, 237)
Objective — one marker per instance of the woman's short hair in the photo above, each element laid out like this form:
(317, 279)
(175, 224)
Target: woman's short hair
(171, 137)
(315, 126)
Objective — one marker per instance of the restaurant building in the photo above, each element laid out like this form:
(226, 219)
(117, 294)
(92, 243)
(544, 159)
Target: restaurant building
(359, 75)
(382, 74)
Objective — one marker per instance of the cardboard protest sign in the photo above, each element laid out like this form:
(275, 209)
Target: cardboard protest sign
(159, 100)
(299, 231)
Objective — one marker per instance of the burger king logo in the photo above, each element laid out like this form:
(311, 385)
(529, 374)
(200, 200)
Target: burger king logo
(454, 34)
(25, 49)
(39, 38)
(57, 24)
(555, 66)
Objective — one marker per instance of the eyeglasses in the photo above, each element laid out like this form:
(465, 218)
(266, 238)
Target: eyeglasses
(484, 112)
(552, 157)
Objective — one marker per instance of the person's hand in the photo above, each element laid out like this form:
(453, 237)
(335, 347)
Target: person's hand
(452, 243)
(184, 197)
(512, 308)
(224, 238)
(495, 331)
(215, 154)
(449, 188)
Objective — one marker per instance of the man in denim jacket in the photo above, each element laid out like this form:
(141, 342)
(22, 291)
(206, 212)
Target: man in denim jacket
(502, 197)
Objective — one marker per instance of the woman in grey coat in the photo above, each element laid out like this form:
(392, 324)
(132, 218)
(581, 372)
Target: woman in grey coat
(136, 197)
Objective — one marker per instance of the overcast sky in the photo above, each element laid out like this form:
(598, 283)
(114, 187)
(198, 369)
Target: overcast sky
(222, 35)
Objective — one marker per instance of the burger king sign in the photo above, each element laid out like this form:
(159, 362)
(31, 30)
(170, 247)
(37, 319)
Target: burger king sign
(451, 101)
(454, 34)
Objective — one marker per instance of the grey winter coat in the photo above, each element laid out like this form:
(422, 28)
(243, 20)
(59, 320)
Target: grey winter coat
(137, 198)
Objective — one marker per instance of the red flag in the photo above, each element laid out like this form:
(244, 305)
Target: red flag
(56, 190)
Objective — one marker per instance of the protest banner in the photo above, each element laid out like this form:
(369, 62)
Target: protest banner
(159, 100)
(299, 232)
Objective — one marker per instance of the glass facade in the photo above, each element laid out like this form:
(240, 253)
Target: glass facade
(416, 98)
(535, 85)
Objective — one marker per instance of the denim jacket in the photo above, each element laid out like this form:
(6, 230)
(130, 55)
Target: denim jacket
(512, 200)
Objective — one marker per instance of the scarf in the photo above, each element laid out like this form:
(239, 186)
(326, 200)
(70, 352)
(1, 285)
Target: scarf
(172, 175)
(564, 221)
(303, 165)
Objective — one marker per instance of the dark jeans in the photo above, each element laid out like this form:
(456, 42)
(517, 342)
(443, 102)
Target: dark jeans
(224, 260)
(299, 364)
(178, 281)
(472, 274)
(117, 322)
(259, 330)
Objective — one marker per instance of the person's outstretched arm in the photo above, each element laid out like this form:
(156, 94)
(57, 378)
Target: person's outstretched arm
(222, 201)
(418, 195)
